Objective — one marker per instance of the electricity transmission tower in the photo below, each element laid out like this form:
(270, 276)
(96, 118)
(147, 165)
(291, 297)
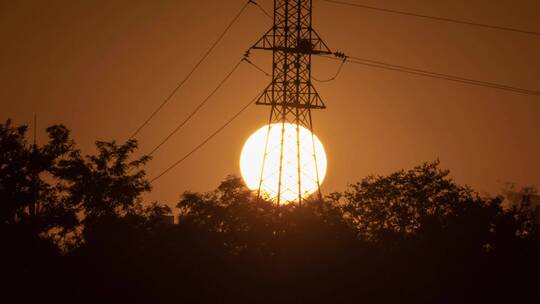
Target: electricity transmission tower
(291, 94)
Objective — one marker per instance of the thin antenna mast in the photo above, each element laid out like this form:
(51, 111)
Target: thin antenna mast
(34, 205)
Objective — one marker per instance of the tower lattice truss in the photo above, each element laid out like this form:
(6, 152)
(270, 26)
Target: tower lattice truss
(291, 95)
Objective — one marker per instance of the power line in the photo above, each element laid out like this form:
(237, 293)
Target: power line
(199, 106)
(496, 27)
(335, 75)
(204, 101)
(257, 67)
(403, 69)
(446, 76)
(263, 10)
(168, 98)
(204, 142)
(313, 77)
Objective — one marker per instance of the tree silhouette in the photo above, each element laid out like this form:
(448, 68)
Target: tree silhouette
(400, 202)
(28, 193)
(80, 222)
(33, 213)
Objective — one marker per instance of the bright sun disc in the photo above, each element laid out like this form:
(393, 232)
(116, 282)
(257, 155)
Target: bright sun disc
(252, 168)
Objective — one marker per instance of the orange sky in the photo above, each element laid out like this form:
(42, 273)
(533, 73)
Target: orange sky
(100, 67)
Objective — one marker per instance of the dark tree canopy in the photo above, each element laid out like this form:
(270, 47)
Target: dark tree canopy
(28, 191)
(76, 228)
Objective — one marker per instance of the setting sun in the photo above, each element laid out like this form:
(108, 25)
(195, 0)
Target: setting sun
(254, 168)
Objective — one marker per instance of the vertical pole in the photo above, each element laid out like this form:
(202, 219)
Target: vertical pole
(33, 206)
(298, 160)
(35, 128)
(286, 96)
(281, 159)
(315, 159)
(297, 96)
(310, 119)
(265, 155)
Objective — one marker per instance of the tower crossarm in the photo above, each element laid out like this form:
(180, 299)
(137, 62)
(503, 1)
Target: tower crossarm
(314, 46)
(292, 41)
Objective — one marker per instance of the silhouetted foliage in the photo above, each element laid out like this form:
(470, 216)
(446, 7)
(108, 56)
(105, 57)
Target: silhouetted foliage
(75, 229)
(27, 190)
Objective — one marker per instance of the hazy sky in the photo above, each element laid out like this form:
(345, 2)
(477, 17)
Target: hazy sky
(100, 67)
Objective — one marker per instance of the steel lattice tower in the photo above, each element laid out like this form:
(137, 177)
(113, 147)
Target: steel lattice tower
(291, 94)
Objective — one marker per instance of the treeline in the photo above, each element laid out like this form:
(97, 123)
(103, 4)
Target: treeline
(74, 228)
